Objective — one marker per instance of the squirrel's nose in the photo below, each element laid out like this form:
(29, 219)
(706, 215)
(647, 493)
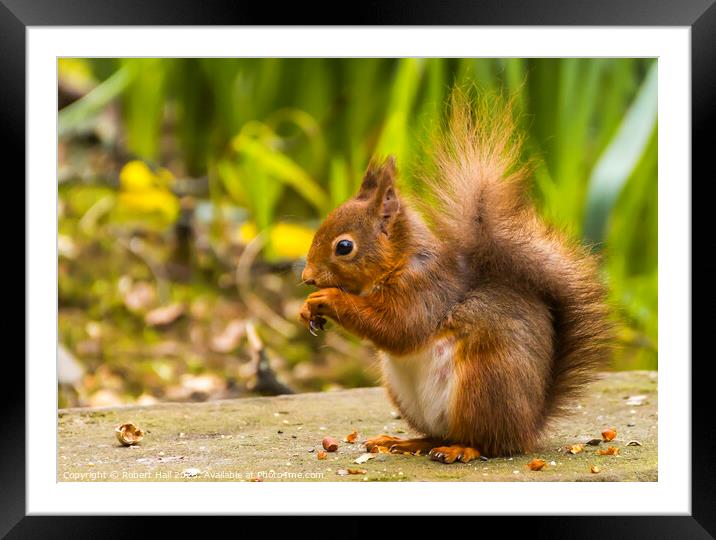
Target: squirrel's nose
(307, 276)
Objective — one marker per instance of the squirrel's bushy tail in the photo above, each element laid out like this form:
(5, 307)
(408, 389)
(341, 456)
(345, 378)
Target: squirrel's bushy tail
(480, 184)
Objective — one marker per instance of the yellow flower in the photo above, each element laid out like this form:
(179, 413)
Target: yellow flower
(137, 176)
(286, 240)
(291, 241)
(144, 191)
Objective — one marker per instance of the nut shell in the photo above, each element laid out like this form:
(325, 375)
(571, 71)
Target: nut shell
(330, 444)
(128, 434)
(609, 434)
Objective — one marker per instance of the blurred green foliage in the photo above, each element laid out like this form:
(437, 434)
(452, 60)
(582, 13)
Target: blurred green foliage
(291, 137)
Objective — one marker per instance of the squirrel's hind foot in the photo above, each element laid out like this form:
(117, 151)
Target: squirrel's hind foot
(396, 445)
(416, 447)
(453, 453)
(374, 444)
(449, 453)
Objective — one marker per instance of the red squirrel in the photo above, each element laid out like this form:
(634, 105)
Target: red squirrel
(488, 322)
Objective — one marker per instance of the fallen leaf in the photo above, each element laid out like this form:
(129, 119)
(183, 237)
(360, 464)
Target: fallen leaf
(595, 469)
(364, 457)
(330, 444)
(207, 383)
(229, 339)
(609, 434)
(138, 297)
(321, 454)
(351, 437)
(147, 399)
(66, 246)
(165, 315)
(69, 369)
(128, 434)
(537, 464)
(105, 397)
(89, 347)
(611, 451)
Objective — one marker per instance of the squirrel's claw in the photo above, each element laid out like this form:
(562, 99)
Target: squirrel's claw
(315, 324)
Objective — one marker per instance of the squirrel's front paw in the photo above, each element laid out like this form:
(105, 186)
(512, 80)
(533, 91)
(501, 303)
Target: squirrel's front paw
(313, 322)
(323, 302)
(317, 306)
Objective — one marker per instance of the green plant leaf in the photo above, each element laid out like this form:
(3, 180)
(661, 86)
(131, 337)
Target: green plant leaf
(84, 109)
(620, 158)
(283, 168)
(394, 136)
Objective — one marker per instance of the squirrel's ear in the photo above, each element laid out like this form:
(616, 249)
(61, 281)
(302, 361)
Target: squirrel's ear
(386, 202)
(378, 187)
(388, 206)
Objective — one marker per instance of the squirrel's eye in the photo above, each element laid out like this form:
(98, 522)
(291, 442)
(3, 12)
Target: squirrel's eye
(344, 247)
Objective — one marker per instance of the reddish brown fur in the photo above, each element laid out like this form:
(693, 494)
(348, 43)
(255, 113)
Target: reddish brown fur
(524, 303)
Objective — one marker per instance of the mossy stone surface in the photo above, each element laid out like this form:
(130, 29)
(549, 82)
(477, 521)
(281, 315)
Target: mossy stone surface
(278, 438)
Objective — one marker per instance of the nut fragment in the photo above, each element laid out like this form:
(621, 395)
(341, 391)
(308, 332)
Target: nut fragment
(346, 472)
(574, 449)
(321, 455)
(316, 323)
(609, 434)
(128, 434)
(351, 437)
(330, 444)
(595, 469)
(537, 464)
(611, 451)
(364, 457)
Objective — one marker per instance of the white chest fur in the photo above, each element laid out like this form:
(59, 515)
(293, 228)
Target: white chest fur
(422, 383)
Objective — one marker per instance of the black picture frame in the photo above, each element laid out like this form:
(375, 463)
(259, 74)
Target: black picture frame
(699, 15)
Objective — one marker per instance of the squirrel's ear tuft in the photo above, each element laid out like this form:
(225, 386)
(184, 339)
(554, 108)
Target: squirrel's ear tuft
(368, 185)
(378, 176)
